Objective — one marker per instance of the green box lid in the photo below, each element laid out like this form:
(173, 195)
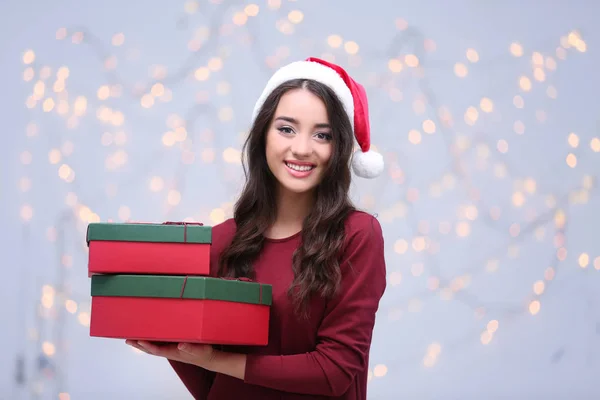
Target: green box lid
(177, 286)
(168, 232)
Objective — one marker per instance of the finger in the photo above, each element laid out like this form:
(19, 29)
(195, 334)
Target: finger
(193, 348)
(185, 348)
(168, 350)
(134, 344)
(149, 347)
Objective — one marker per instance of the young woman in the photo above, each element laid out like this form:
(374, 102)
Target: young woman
(295, 228)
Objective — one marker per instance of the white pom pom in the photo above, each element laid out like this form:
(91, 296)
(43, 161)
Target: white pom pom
(367, 165)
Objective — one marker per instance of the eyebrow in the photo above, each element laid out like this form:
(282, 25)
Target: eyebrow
(295, 121)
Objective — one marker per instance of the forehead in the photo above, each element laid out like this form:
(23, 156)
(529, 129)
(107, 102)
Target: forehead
(302, 104)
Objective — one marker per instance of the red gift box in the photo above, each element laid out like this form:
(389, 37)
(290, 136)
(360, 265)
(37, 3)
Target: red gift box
(180, 309)
(173, 248)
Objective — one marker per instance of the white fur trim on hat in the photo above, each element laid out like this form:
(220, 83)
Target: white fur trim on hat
(309, 70)
(367, 164)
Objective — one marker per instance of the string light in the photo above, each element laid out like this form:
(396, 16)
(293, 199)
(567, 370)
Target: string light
(462, 224)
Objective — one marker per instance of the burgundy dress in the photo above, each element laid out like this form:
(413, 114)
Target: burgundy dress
(324, 357)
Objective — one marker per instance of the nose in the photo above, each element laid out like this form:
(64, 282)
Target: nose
(301, 146)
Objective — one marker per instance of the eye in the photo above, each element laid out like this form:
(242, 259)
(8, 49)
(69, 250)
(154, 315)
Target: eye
(324, 136)
(286, 129)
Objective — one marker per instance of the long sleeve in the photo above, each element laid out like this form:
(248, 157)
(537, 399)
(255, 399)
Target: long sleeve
(344, 336)
(197, 380)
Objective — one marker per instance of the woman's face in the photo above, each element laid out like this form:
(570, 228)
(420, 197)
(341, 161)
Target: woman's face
(299, 141)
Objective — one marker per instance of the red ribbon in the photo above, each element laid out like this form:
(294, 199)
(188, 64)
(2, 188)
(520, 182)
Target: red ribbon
(183, 287)
(228, 278)
(166, 223)
(182, 223)
(243, 279)
(185, 225)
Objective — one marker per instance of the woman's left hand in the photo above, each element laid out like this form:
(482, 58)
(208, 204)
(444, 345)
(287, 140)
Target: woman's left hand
(197, 354)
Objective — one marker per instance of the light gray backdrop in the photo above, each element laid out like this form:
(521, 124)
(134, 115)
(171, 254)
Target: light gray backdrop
(486, 112)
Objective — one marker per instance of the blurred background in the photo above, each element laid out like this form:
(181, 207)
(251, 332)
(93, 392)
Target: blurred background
(487, 113)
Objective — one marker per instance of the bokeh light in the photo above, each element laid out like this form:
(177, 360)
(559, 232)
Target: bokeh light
(484, 182)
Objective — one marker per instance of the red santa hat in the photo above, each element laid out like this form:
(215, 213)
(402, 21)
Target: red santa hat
(366, 163)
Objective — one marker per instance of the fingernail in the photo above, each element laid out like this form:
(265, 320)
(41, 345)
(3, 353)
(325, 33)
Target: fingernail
(182, 346)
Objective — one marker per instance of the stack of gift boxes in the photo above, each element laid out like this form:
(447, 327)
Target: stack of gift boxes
(151, 282)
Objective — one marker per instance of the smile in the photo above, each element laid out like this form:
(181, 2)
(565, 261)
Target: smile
(298, 167)
(299, 170)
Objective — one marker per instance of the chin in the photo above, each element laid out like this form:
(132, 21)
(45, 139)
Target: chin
(295, 185)
(299, 189)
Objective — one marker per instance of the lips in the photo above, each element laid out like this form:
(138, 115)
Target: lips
(300, 166)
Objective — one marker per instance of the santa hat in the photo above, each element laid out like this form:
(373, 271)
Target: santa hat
(366, 163)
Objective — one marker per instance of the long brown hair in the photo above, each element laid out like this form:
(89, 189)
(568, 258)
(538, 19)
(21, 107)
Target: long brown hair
(315, 262)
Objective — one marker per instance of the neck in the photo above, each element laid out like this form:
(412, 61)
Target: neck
(292, 209)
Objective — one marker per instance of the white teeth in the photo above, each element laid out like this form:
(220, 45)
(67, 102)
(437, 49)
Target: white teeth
(301, 168)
